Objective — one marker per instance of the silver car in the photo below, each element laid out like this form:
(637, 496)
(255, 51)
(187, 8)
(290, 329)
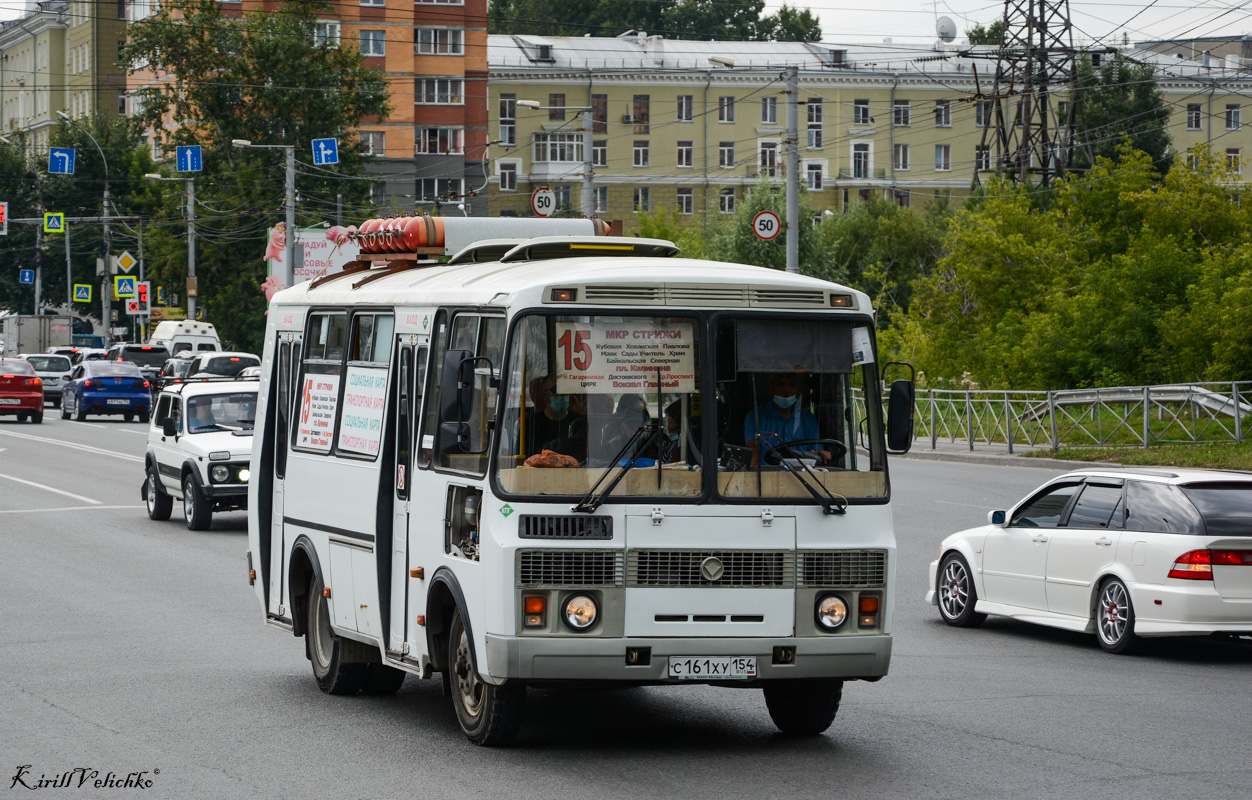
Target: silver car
(53, 370)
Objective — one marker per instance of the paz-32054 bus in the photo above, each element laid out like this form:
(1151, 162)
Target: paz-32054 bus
(583, 460)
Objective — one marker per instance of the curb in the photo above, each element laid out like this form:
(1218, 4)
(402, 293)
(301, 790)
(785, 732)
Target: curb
(1005, 460)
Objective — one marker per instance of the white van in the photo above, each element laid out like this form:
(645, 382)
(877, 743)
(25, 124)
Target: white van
(185, 334)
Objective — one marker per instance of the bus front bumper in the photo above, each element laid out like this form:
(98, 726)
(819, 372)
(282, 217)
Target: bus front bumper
(592, 659)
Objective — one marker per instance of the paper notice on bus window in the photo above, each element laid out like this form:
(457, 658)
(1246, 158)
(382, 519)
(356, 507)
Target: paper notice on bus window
(615, 357)
(364, 401)
(862, 349)
(319, 400)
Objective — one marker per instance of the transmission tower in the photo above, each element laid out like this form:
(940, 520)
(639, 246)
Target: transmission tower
(1029, 117)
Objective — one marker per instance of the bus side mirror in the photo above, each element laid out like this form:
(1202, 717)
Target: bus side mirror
(900, 418)
(456, 386)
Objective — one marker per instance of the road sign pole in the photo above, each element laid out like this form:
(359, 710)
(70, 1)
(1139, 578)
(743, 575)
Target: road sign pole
(38, 245)
(105, 290)
(69, 274)
(290, 267)
(191, 244)
(792, 76)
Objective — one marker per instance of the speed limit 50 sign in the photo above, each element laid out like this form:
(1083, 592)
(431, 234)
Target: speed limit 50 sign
(766, 225)
(543, 201)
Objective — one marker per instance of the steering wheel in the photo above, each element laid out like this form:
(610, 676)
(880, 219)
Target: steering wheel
(837, 448)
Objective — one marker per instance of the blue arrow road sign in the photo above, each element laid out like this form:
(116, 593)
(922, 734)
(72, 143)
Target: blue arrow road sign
(61, 160)
(189, 158)
(325, 151)
(25, 276)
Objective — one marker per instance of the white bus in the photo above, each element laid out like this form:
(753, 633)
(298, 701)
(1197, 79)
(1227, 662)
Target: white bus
(584, 460)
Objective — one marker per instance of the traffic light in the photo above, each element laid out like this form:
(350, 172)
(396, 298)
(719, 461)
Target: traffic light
(141, 302)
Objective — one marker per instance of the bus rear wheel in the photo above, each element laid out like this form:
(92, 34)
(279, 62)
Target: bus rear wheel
(326, 649)
(806, 707)
(489, 715)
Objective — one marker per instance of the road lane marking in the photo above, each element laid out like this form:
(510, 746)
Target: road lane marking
(66, 508)
(52, 489)
(73, 446)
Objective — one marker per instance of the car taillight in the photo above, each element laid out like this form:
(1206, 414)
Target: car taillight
(34, 381)
(1193, 565)
(1232, 558)
(95, 384)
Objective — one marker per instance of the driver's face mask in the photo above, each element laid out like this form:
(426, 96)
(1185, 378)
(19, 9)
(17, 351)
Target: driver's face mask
(785, 402)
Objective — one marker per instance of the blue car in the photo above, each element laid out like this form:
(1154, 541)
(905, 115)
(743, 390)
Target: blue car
(106, 387)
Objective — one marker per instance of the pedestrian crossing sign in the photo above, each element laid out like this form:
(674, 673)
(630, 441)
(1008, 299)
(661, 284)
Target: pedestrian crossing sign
(54, 222)
(124, 285)
(82, 293)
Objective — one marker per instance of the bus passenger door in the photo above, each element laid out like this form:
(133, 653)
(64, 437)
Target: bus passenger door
(288, 356)
(402, 478)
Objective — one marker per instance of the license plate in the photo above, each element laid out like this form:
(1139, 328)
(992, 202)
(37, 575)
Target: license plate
(719, 667)
(118, 402)
(10, 401)
(52, 381)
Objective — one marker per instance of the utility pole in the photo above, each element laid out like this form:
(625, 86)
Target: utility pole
(69, 274)
(339, 209)
(291, 216)
(38, 259)
(106, 291)
(792, 77)
(191, 245)
(589, 185)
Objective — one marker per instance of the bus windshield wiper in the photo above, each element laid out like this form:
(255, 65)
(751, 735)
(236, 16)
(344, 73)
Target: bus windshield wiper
(592, 501)
(831, 503)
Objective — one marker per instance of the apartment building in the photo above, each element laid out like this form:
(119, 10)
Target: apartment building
(692, 125)
(427, 153)
(59, 56)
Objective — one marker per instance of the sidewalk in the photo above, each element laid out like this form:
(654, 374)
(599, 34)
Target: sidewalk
(993, 455)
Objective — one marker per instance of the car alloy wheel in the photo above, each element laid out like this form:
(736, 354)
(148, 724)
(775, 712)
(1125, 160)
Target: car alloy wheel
(957, 596)
(1115, 618)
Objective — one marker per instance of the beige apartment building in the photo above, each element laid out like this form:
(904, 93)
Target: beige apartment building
(691, 125)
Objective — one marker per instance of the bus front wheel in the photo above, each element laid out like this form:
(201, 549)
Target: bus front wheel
(326, 649)
(489, 715)
(803, 706)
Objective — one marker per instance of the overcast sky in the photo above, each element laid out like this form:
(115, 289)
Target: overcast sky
(868, 21)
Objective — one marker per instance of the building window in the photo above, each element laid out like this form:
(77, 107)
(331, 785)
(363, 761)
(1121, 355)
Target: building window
(686, 201)
(815, 123)
(685, 108)
(563, 148)
(725, 109)
(600, 153)
(1193, 117)
(1193, 161)
(562, 197)
(860, 160)
(440, 91)
(943, 113)
(326, 33)
(440, 41)
(860, 112)
(943, 157)
(769, 158)
(508, 119)
(439, 189)
(813, 173)
(1234, 115)
(441, 141)
(373, 2)
(642, 113)
(726, 201)
(902, 198)
(685, 154)
(982, 114)
(442, 2)
(902, 113)
(374, 143)
(599, 113)
(900, 157)
(602, 199)
(641, 153)
(121, 102)
(726, 154)
(508, 177)
(982, 157)
(769, 110)
(642, 200)
(373, 43)
(556, 107)
(1232, 161)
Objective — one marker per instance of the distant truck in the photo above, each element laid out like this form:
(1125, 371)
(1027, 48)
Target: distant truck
(34, 333)
(185, 334)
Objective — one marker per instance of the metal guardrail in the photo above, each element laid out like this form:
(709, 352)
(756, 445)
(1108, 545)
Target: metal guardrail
(1124, 416)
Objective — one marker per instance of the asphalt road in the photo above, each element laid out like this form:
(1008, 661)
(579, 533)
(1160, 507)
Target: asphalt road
(131, 646)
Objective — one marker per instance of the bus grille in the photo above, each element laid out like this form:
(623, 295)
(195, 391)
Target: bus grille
(843, 569)
(740, 568)
(573, 568)
(540, 526)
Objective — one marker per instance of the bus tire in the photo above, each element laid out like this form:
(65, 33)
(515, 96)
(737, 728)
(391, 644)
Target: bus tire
(805, 707)
(489, 715)
(326, 649)
(160, 504)
(381, 679)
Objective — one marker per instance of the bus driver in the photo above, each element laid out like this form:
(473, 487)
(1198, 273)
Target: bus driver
(782, 420)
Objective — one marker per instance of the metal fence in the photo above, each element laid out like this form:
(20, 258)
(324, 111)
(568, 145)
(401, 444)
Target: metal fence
(1125, 416)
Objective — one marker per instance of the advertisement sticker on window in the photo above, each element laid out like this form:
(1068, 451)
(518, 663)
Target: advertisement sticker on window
(364, 401)
(319, 400)
(604, 357)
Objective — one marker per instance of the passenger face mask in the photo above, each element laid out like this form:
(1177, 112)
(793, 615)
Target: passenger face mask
(559, 403)
(673, 437)
(785, 402)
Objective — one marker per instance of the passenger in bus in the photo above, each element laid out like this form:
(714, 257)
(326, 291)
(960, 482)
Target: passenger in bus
(558, 422)
(781, 420)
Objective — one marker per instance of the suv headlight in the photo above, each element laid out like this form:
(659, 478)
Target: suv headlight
(220, 473)
(831, 612)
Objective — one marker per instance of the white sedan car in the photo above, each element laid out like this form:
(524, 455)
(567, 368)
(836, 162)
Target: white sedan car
(1118, 553)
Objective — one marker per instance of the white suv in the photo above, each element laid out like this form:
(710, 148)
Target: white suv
(199, 445)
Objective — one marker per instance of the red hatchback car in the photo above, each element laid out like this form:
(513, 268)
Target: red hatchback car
(21, 390)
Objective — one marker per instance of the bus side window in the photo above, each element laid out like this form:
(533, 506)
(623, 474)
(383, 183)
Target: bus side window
(283, 364)
(404, 421)
(484, 337)
(430, 403)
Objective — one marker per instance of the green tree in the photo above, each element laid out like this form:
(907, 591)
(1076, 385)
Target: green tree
(266, 78)
(992, 34)
(686, 19)
(734, 241)
(790, 25)
(1121, 99)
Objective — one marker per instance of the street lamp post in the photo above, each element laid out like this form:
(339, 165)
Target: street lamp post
(105, 304)
(191, 233)
(289, 268)
(588, 195)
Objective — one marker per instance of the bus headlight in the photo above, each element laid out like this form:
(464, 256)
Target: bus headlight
(220, 474)
(244, 474)
(580, 612)
(832, 612)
